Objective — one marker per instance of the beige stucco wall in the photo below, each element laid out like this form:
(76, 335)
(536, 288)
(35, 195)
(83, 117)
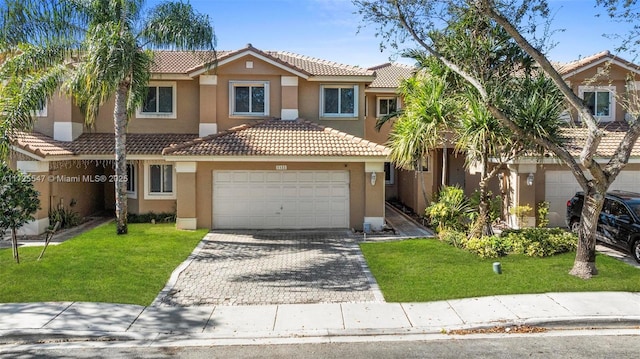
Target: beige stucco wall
(73, 183)
(357, 205)
(370, 131)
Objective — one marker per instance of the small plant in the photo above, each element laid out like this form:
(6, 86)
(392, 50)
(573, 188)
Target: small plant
(66, 216)
(495, 205)
(521, 213)
(450, 210)
(543, 214)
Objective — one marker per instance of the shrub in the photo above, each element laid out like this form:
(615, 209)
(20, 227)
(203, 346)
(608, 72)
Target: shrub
(163, 217)
(495, 205)
(488, 246)
(66, 216)
(450, 210)
(454, 238)
(541, 242)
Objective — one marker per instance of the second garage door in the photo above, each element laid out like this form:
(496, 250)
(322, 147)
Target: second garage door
(280, 199)
(560, 186)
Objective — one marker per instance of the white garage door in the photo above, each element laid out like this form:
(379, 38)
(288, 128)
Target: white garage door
(560, 186)
(280, 199)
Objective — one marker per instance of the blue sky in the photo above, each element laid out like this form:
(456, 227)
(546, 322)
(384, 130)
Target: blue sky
(328, 29)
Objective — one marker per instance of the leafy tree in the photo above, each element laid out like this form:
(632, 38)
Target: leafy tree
(18, 202)
(93, 50)
(418, 20)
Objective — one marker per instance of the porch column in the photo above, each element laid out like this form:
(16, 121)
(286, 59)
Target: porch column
(208, 101)
(186, 195)
(289, 86)
(524, 193)
(39, 171)
(374, 194)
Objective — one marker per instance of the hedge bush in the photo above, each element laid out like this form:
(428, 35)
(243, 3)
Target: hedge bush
(163, 217)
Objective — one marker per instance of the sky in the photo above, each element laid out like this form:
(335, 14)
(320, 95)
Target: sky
(329, 29)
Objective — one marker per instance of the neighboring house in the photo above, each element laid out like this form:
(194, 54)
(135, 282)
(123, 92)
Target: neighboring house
(604, 81)
(262, 140)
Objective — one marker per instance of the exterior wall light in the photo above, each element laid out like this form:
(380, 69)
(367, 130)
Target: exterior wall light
(373, 178)
(530, 179)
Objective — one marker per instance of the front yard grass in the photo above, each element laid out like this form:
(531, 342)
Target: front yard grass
(428, 270)
(98, 266)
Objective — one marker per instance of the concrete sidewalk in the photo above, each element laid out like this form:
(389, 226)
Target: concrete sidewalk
(21, 322)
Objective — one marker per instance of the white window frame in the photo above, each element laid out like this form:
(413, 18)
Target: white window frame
(356, 100)
(612, 99)
(133, 192)
(392, 173)
(147, 181)
(174, 102)
(386, 98)
(232, 98)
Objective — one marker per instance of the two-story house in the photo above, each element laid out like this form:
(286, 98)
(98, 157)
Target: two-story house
(262, 140)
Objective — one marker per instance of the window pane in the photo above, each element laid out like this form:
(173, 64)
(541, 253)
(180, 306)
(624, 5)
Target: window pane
(346, 100)
(384, 107)
(150, 102)
(131, 180)
(257, 99)
(387, 171)
(165, 99)
(602, 104)
(392, 106)
(155, 178)
(241, 99)
(168, 178)
(331, 100)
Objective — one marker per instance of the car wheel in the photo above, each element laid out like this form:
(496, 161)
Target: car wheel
(635, 250)
(574, 225)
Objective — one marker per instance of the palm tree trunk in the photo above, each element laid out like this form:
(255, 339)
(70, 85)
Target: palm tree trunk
(120, 133)
(482, 226)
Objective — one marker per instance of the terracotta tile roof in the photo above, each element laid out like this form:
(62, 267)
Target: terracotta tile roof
(566, 68)
(574, 138)
(97, 144)
(279, 138)
(390, 75)
(183, 62)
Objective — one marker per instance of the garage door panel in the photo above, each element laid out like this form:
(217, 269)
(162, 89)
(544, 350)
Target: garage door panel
(276, 199)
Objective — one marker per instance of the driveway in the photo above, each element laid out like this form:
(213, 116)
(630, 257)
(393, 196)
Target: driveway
(272, 267)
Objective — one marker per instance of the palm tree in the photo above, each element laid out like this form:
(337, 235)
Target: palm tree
(92, 50)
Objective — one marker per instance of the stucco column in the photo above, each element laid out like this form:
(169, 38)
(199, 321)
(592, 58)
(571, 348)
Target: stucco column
(186, 195)
(64, 128)
(523, 186)
(39, 171)
(289, 85)
(208, 101)
(374, 194)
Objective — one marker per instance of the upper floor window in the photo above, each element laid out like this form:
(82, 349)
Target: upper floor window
(600, 100)
(338, 101)
(386, 106)
(160, 101)
(249, 98)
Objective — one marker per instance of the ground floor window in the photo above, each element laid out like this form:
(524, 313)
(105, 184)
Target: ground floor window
(159, 181)
(131, 180)
(389, 173)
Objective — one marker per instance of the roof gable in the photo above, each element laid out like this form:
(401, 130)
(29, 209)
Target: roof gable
(575, 67)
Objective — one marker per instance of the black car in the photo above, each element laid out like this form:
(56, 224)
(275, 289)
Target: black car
(618, 223)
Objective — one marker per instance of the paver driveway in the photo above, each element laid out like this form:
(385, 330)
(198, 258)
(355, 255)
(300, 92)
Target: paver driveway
(273, 267)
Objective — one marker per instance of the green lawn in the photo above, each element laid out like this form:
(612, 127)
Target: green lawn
(98, 266)
(428, 270)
